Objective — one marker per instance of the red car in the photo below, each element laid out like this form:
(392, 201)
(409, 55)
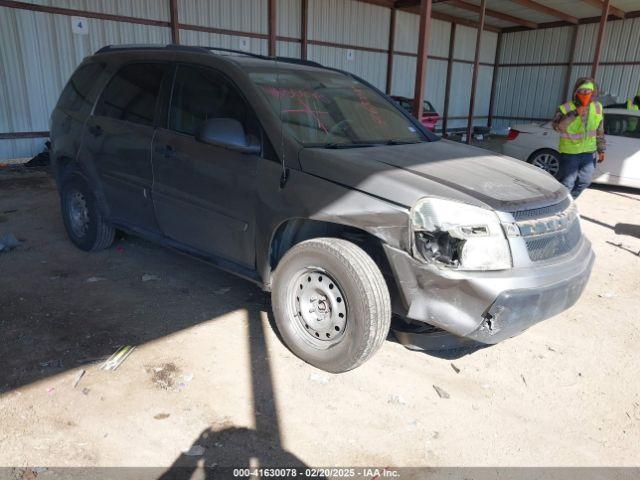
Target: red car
(429, 115)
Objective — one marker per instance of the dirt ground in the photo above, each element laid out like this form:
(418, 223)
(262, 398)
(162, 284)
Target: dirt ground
(208, 370)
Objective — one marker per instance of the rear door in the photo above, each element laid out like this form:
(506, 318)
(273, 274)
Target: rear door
(119, 135)
(205, 195)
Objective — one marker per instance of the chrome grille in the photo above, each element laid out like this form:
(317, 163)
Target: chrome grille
(551, 231)
(544, 247)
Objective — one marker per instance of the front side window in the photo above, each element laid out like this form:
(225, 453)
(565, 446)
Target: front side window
(200, 94)
(132, 93)
(622, 125)
(326, 108)
(75, 95)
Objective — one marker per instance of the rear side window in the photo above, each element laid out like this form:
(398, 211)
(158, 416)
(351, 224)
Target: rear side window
(75, 95)
(200, 94)
(132, 93)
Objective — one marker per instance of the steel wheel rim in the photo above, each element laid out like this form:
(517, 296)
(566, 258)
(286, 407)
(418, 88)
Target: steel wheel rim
(547, 162)
(319, 307)
(78, 213)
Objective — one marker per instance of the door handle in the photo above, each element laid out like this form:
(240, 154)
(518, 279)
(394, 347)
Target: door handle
(95, 130)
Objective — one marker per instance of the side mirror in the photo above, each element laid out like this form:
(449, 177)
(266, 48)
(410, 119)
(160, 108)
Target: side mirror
(226, 133)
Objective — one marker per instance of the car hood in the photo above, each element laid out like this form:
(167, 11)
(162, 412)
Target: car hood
(403, 174)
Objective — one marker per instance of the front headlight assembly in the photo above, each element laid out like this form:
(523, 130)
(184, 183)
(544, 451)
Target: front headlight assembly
(459, 235)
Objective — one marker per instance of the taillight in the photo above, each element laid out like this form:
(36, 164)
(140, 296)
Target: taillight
(513, 134)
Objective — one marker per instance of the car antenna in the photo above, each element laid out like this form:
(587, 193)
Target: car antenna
(285, 171)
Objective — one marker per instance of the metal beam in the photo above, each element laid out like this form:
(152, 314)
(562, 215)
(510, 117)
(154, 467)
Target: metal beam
(82, 13)
(173, 13)
(492, 13)
(494, 80)
(392, 41)
(476, 66)
(304, 22)
(552, 12)
(423, 51)
(601, 31)
(272, 27)
(616, 12)
(572, 58)
(412, 8)
(447, 85)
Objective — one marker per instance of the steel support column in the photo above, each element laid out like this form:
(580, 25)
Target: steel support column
(175, 29)
(601, 31)
(476, 65)
(272, 28)
(494, 80)
(423, 51)
(304, 22)
(392, 41)
(572, 57)
(447, 85)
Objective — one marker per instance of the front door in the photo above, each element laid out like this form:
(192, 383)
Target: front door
(118, 136)
(204, 195)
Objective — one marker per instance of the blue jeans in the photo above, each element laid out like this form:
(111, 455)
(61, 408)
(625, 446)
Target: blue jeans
(576, 170)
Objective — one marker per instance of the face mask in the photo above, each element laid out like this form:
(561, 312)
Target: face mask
(584, 98)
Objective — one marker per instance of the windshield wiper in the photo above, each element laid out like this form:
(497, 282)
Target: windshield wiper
(347, 145)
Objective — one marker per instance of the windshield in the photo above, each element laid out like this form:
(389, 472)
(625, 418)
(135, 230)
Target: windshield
(323, 108)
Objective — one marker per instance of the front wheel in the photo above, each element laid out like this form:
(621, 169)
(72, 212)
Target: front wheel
(331, 303)
(547, 160)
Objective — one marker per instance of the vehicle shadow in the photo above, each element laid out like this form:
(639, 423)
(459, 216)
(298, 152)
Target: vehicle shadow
(242, 448)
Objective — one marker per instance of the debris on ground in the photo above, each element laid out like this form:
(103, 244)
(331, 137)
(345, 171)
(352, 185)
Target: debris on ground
(78, 377)
(8, 242)
(85, 391)
(164, 376)
(194, 451)
(441, 393)
(93, 279)
(524, 380)
(222, 291)
(455, 369)
(52, 364)
(397, 400)
(161, 416)
(148, 277)
(115, 360)
(51, 390)
(319, 378)
(607, 295)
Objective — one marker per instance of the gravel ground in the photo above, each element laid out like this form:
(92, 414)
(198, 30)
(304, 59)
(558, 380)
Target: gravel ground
(209, 374)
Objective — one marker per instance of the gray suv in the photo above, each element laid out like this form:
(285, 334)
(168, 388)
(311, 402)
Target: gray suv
(318, 187)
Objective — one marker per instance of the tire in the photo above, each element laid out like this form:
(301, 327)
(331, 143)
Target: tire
(83, 220)
(546, 159)
(350, 317)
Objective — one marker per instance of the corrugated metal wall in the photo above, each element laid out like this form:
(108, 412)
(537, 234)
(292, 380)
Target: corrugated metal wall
(536, 90)
(38, 51)
(406, 41)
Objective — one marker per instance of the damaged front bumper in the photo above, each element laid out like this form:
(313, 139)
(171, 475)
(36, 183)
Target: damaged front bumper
(489, 307)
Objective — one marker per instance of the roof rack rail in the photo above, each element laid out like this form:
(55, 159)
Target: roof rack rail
(143, 46)
(239, 52)
(197, 48)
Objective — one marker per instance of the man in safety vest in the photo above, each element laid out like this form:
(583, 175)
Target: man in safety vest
(580, 124)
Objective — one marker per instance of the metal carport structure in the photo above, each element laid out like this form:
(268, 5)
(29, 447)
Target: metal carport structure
(471, 57)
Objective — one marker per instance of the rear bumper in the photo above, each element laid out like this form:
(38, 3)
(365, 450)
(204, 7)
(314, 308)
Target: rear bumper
(489, 307)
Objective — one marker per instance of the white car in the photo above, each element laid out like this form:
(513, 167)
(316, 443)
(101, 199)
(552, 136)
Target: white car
(537, 144)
